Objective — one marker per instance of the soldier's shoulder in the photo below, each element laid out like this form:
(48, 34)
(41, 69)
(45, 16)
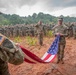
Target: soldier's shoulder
(36, 25)
(55, 26)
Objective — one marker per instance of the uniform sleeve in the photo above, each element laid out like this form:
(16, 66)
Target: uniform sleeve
(13, 51)
(53, 29)
(66, 27)
(65, 30)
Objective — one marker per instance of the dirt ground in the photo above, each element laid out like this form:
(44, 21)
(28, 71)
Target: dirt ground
(68, 68)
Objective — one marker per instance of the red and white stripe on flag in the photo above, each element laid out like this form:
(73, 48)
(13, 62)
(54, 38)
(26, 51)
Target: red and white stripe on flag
(48, 57)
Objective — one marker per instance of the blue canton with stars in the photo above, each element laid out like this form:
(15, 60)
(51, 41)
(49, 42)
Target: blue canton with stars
(54, 47)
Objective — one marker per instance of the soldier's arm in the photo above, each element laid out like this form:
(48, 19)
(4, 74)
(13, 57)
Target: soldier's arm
(66, 26)
(12, 52)
(53, 30)
(65, 34)
(54, 27)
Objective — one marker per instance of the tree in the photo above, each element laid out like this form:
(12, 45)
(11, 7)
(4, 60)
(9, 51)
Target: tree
(7, 19)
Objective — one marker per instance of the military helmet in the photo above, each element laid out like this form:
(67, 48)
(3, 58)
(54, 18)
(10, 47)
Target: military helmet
(60, 19)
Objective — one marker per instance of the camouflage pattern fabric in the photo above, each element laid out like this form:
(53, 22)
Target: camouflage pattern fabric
(61, 29)
(3, 68)
(61, 48)
(74, 31)
(70, 29)
(39, 29)
(9, 52)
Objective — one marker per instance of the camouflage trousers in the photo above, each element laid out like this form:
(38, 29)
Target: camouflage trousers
(40, 38)
(3, 68)
(61, 49)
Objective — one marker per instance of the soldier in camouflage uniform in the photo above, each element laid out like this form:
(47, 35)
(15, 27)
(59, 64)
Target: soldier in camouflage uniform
(74, 31)
(39, 29)
(9, 52)
(60, 29)
(70, 29)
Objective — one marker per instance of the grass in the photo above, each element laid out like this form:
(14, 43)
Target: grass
(17, 39)
(31, 41)
(49, 33)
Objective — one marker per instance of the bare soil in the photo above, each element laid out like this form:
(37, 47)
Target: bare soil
(68, 68)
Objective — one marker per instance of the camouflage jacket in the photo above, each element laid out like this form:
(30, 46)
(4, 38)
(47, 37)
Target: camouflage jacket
(39, 28)
(60, 29)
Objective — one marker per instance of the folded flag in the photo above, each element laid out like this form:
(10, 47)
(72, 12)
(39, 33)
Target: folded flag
(49, 56)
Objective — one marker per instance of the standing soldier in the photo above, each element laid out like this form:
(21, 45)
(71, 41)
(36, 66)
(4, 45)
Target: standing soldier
(74, 31)
(70, 29)
(39, 28)
(9, 52)
(60, 29)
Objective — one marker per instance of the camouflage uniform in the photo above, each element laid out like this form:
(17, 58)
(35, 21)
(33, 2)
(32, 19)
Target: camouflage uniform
(61, 29)
(39, 29)
(9, 52)
(3, 68)
(74, 31)
(69, 30)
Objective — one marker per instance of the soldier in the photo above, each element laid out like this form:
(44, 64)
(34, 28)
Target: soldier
(2, 30)
(39, 29)
(9, 52)
(74, 31)
(70, 29)
(60, 29)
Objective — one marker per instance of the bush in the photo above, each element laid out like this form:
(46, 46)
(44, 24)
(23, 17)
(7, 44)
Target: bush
(31, 41)
(17, 39)
(49, 33)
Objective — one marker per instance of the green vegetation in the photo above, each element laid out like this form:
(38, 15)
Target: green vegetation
(7, 19)
(49, 33)
(17, 39)
(31, 41)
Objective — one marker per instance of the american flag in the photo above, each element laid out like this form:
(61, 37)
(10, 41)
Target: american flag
(49, 56)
